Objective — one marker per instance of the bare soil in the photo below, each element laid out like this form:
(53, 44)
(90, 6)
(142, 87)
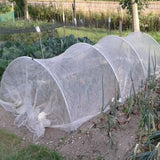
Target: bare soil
(90, 142)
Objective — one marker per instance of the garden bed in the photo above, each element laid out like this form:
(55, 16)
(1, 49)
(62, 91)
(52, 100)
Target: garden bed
(106, 136)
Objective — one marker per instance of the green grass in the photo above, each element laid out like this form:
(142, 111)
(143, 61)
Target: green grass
(14, 148)
(155, 35)
(21, 24)
(95, 34)
(9, 143)
(35, 152)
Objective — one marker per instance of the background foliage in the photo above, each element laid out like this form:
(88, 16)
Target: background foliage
(128, 4)
(4, 8)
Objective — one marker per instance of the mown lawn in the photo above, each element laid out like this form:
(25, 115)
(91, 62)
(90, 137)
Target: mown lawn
(95, 34)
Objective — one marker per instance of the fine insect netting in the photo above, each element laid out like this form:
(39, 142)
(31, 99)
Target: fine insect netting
(67, 90)
(124, 61)
(148, 51)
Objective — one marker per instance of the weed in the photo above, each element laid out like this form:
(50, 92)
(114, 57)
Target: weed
(99, 157)
(79, 131)
(62, 138)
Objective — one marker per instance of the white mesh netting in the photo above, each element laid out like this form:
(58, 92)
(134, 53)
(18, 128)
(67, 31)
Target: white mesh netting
(67, 90)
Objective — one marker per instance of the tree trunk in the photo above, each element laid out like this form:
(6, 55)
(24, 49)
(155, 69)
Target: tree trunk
(74, 8)
(135, 17)
(26, 14)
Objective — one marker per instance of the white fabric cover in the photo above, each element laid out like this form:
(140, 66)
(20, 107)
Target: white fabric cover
(67, 90)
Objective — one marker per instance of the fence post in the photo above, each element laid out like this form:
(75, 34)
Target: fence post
(159, 24)
(120, 28)
(64, 22)
(74, 15)
(109, 25)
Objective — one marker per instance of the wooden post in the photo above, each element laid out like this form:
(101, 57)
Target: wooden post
(159, 24)
(74, 9)
(109, 25)
(26, 9)
(120, 28)
(64, 22)
(74, 15)
(135, 17)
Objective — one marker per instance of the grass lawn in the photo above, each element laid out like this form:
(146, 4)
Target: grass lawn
(14, 148)
(95, 34)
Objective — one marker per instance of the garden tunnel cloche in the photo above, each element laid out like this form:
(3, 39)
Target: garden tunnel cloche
(65, 91)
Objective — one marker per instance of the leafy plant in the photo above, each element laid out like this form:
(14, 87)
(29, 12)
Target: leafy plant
(12, 50)
(54, 46)
(8, 52)
(51, 47)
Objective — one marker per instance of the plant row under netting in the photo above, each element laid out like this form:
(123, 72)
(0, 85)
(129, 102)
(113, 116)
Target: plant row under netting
(69, 89)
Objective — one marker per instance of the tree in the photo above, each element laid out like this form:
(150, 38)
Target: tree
(23, 7)
(133, 6)
(135, 17)
(26, 15)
